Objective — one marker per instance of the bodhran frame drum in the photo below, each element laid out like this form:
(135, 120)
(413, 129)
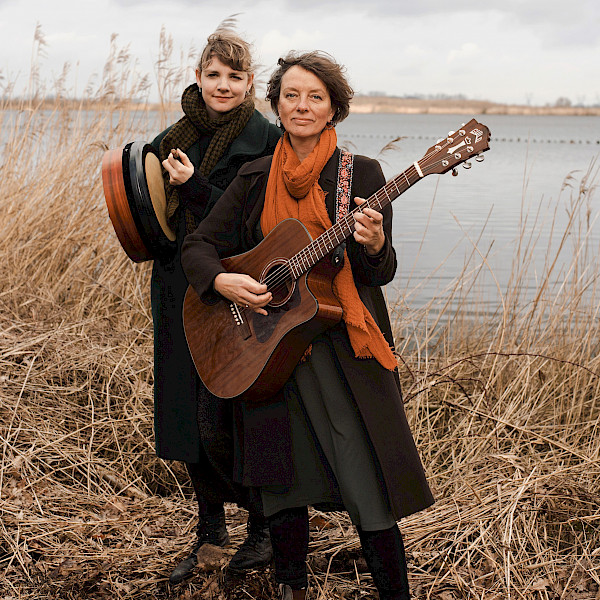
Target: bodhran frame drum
(136, 200)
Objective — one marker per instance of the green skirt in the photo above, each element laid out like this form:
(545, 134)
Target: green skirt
(334, 463)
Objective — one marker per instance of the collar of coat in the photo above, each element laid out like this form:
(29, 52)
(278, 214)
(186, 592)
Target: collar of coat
(251, 142)
(327, 180)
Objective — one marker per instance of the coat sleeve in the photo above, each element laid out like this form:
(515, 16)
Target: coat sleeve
(197, 193)
(217, 236)
(380, 269)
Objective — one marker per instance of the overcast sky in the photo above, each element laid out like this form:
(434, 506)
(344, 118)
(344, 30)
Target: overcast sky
(517, 51)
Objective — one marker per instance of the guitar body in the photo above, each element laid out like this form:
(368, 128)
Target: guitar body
(240, 353)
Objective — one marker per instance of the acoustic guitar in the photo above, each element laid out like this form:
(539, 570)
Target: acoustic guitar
(241, 354)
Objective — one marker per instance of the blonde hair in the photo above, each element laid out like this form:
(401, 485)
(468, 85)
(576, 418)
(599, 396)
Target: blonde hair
(230, 49)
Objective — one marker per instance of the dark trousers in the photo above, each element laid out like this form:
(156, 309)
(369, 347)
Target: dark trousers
(383, 551)
(212, 476)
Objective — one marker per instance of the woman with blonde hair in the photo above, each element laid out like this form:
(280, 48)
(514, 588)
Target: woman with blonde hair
(201, 154)
(336, 435)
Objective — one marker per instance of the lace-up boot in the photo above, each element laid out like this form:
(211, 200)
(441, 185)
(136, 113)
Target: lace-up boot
(211, 530)
(256, 550)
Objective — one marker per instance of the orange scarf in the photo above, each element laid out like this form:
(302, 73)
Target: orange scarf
(293, 190)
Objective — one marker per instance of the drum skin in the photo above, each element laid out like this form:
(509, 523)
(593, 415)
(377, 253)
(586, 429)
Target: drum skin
(136, 201)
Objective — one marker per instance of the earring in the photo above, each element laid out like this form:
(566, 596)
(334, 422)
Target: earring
(278, 123)
(329, 125)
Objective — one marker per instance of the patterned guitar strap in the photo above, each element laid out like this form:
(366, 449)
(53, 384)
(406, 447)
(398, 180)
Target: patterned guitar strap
(342, 197)
(342, 205)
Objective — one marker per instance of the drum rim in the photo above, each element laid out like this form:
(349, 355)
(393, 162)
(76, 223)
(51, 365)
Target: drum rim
(116, 193)
(142, 208)
(168, 232)
(133, 211)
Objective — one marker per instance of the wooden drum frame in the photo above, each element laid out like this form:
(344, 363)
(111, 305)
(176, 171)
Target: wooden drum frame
(136, 201)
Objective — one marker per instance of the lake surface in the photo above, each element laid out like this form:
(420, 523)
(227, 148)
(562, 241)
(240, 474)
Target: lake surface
(444, 224)
(531, 173)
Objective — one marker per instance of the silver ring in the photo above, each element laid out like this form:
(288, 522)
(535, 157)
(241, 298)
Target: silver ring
(247, 306)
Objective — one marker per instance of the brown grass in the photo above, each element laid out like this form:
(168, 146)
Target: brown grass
(505, 407)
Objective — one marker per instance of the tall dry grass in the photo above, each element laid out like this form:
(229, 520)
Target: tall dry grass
(504, 406)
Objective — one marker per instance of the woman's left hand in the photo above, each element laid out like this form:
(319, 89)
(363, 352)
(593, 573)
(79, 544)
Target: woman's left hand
(368, 229)
(178, 166)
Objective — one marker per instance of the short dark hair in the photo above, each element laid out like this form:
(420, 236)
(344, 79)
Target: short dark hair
(326, 69)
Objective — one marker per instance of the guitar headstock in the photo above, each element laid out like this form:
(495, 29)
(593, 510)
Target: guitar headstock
(471, 139)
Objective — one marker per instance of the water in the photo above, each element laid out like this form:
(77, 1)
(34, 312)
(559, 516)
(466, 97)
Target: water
(444, 223)
(534, 165)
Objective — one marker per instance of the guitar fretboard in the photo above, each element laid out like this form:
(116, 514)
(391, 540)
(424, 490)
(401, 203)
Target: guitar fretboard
(342, 229)
(471, 140)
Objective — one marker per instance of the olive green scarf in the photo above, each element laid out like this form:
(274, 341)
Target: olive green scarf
(194, 124)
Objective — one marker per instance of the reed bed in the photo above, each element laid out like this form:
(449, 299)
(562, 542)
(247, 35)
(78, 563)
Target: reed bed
(504, 407)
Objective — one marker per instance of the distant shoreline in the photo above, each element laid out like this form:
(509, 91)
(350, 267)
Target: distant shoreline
(359, 105)
(384, 104)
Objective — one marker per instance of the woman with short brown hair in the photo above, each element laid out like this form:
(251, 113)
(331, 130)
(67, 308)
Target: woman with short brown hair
(327, 70)
(336, 435)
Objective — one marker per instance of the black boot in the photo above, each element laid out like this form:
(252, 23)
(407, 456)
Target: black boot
(287, 593)
(384, 553)
(290, 536)
(211, 530)
(256, 550)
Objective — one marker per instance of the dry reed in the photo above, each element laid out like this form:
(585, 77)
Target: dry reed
(504, 407)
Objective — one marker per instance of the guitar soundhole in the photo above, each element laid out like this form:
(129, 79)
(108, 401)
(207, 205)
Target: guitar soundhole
(279, 280)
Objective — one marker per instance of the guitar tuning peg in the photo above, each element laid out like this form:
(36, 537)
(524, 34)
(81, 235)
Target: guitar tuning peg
(480, 158)
(467, 165)
(451, 132)
(454, 172)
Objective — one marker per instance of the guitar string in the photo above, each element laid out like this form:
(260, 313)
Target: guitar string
(320, 246)
(323, 244)
(309, 251)
(281, 274)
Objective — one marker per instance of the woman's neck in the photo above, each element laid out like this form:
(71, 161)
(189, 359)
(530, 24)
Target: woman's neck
(213, 115)
(303, 146)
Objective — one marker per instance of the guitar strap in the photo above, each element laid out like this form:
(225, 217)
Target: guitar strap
(344, 184)
(342, 197)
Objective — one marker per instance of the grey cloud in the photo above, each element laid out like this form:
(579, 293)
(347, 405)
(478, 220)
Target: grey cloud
(554, 21)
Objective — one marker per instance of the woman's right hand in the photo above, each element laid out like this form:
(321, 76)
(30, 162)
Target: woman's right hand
(243, 290)
(178, 166)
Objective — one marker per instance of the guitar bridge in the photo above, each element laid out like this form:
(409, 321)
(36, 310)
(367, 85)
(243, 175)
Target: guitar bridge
(240, 321)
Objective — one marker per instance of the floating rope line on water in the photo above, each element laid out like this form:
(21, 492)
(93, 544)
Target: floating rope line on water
(387, 136)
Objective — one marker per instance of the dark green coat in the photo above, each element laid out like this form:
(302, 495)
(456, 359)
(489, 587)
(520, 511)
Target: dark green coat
(176, 384)
(263, 450)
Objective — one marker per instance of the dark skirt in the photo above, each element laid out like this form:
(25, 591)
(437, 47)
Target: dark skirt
(334, 463)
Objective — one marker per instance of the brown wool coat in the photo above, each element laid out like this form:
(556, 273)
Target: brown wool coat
(262, 431)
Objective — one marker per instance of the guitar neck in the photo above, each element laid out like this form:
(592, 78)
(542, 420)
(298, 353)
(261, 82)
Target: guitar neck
(342, 229)
(472, 139)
